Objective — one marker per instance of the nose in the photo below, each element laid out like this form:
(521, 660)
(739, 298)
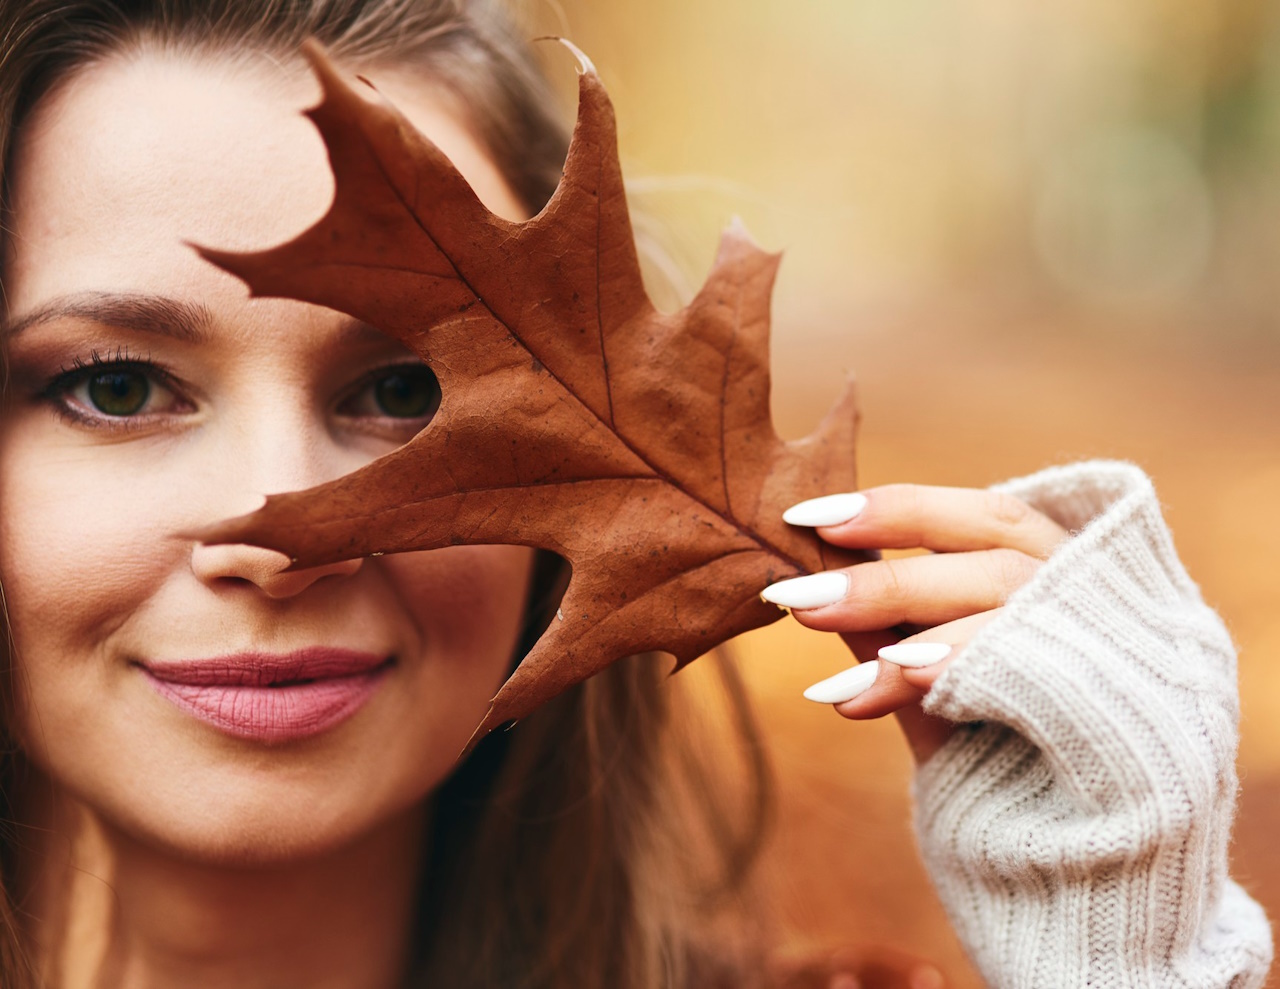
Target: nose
(218, 566)
(282, 448)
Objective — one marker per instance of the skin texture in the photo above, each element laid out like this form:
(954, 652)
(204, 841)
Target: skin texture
(120, 164)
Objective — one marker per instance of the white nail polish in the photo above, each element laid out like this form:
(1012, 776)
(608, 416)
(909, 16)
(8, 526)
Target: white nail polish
(811, 591)
(915, 654)
(844, 686)
(829, 510)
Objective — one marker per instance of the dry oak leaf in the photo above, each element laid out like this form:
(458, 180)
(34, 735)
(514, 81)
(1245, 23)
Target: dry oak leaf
(575, 416)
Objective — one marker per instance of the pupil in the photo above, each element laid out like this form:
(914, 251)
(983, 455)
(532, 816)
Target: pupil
(409, 393)
(119, 393)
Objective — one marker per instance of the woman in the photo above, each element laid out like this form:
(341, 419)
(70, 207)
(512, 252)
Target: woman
(225, 773)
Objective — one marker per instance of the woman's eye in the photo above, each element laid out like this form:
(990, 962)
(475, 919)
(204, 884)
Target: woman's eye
(101, 392)
(409, 391)
(407, 394)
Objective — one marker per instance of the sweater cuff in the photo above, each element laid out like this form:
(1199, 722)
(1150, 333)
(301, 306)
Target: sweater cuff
(1076, 824)
(1108, 650)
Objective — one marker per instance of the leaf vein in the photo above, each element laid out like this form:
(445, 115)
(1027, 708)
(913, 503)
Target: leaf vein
(755, 537)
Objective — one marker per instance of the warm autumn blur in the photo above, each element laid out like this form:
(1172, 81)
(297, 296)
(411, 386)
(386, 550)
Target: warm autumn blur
(1037, 232)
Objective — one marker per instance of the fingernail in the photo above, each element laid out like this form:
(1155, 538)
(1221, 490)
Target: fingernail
(812, 591)
(844, 686)
(915, 654)
(829, 510)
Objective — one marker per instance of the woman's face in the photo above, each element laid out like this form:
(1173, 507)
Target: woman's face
(150, 396)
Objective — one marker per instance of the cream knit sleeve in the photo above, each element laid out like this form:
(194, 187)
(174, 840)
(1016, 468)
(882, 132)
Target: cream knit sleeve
(1077, 825)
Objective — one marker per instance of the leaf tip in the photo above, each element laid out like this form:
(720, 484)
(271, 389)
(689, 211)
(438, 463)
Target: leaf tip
(488, 723)
(332, 85)
(232, 262)
(221, 533)
(206, 253)
(586, 67)
(476, 737)
(736, 235)
(739, 256)
(315, 53)
(847, 402)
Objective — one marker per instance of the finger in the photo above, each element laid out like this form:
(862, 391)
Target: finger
(876, 688)
(902, 671)
(946, 520)
(896, 681)
(915, 590)
(922, 658)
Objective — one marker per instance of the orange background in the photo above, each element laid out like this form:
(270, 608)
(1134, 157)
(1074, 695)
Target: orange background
(1037, 232)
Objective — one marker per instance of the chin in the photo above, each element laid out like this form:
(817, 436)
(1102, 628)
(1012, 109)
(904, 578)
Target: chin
(245, 826)
(204, 797)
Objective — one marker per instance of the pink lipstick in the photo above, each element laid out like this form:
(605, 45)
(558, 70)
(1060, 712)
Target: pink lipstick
(271, 697)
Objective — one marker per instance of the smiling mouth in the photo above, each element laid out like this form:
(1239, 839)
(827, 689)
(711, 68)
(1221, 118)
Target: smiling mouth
(272, 697)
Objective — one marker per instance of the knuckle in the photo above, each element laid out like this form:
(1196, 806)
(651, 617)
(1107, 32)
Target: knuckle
(894, 582)
(882, 586)
(1007, 511)
(1010, 569)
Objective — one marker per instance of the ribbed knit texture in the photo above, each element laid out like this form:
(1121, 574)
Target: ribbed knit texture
(1077, 826)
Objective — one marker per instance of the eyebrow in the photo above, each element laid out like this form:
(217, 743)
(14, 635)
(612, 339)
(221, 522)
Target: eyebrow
(152, 314)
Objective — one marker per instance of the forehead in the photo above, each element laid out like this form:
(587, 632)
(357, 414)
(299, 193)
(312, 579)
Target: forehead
(128, 158)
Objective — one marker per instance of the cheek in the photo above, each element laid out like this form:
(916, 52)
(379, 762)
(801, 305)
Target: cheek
(79, 548)
(466, 606)
(467, 603)
(79, 557)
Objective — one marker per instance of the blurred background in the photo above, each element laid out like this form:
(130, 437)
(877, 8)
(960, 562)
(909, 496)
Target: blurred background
(1035, 232)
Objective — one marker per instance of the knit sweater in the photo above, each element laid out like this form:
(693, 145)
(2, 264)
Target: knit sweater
(1076, 826)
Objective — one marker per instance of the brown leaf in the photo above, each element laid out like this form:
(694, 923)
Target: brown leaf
(576, 417)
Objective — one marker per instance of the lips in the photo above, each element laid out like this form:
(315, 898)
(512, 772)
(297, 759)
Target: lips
(271, 697)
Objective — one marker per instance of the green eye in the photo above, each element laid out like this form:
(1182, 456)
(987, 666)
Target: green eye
(407, 393)
(118, 393)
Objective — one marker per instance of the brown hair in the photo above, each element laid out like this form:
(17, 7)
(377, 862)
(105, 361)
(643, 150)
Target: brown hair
(577, 850)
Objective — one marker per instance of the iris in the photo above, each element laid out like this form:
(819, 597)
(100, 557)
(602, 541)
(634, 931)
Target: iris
(119, 393)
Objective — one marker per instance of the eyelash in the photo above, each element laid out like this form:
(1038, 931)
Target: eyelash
(57, 391)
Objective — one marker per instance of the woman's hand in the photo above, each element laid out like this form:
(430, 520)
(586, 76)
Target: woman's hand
(985, 545)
